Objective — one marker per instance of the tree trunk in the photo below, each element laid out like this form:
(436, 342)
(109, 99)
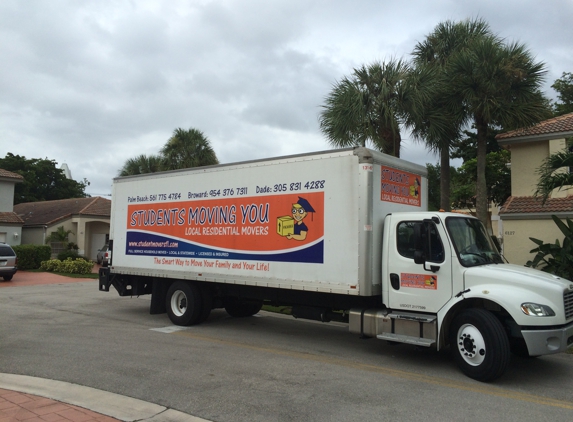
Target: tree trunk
(397, 140)
(481, 187)
(445, 179)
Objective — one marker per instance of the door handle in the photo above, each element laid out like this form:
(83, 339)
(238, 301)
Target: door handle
(395, 281)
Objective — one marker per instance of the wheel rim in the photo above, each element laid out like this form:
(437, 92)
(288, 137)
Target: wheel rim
(471, 345)
(179, 303)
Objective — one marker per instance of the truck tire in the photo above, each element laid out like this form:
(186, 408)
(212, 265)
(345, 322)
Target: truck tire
(479, 344)
(240, 309)
(183, 303)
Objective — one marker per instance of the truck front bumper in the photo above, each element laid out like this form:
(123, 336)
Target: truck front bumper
(546, 342)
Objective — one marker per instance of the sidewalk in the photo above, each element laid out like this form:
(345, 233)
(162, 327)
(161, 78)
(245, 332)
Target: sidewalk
(30, 399)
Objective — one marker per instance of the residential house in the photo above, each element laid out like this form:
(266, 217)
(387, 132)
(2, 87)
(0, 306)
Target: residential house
(87, 218)
(10, 223)
(523, 215)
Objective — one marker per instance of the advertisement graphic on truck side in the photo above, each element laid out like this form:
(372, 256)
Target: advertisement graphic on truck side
(283, 227)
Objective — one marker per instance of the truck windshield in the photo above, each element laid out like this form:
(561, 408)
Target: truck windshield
(472, 244)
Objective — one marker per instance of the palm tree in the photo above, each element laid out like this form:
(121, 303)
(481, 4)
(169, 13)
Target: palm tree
(441, 123)
(60, 235)
(369, 106)
(188, 148)
(141, 164)
(495, 85)
(550, 176)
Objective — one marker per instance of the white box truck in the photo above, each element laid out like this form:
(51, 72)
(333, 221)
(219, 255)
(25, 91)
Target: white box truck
(339, 235)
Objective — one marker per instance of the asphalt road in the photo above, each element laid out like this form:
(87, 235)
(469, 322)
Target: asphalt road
(263, 368)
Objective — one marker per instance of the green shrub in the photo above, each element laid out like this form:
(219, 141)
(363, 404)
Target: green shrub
(31, 256)
(68, 266)
(62, 256)
(555, 258)
(51, 265)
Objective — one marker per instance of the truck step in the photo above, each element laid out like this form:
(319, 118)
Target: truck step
(412, 317)
(400, 338)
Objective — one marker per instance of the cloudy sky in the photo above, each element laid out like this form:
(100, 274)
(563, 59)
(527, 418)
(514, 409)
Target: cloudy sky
(93, 83)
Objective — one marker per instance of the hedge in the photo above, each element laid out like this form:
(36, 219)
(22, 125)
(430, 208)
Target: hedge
(30, 257)
(69, 266)
(62, 256)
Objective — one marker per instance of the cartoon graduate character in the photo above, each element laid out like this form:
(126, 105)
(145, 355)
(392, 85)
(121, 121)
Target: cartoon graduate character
(299, 211)
(415, 188)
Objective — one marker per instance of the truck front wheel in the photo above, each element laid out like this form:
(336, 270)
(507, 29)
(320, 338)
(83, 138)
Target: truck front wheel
(479, 344)
(183, 303)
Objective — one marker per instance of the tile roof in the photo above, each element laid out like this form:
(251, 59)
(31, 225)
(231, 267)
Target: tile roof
(531, 205)
(50, 212)
(560, 124)
(9, 175)
(10, 218)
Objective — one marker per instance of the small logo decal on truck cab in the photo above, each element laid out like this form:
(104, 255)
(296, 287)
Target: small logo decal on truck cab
(419, 281)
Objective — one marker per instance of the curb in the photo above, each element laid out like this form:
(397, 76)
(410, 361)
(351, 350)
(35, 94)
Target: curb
(110, 404)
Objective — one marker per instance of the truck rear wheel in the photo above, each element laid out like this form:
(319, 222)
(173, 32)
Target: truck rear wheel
(479, 344)
(184, 303)
(240, 309)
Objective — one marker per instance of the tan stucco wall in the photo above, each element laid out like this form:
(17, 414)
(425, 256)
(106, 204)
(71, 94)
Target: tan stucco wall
(33, 236)
(10, 234)
(525, 159)
(558, 145)
(516, 234)
(68, 225)
(82, 228)
(6, 196)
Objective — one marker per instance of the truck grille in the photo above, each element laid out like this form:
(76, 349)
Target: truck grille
(568, 301)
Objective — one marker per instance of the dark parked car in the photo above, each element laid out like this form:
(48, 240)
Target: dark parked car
(103, 255)
(8, 262)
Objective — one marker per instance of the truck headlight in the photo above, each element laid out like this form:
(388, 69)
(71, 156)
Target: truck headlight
(534, 309)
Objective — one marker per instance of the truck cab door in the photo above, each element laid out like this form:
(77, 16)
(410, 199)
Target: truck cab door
(418, 271)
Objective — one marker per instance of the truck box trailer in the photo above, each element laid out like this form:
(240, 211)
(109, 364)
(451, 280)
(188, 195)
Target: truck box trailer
(340, 235)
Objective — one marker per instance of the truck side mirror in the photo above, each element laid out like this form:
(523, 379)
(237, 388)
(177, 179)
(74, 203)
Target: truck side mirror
(419, 257)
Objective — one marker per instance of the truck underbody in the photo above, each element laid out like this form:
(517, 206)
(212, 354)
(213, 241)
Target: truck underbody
(307, 304)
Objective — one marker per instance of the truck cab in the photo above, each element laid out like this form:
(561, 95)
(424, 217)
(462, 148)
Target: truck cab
(445, 283)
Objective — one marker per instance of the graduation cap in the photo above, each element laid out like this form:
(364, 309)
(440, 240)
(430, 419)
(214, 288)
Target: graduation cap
(305, 204)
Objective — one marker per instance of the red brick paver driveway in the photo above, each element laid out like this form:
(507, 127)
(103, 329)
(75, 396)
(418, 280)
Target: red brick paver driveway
(29, 278)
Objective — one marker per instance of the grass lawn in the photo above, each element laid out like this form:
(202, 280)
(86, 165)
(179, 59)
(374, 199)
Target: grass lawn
(286, 310)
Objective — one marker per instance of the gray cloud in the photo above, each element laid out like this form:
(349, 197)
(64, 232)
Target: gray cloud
(94, 83)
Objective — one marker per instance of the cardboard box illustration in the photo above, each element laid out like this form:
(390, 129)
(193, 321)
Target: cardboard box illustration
(285, 225)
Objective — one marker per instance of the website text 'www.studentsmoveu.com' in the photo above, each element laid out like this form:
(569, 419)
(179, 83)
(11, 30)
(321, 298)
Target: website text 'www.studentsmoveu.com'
(151, 244)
